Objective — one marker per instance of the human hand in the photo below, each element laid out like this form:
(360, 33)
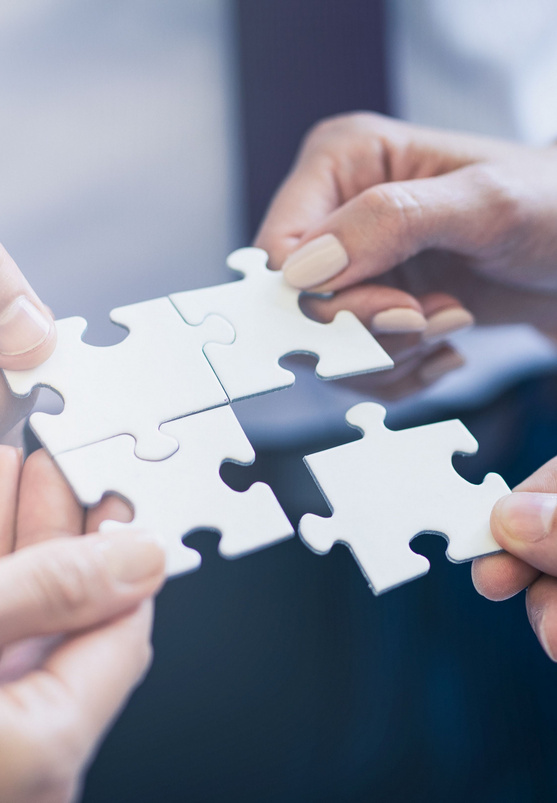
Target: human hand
(525, 525)
(418, 361)
(75, 622)
(368, 193)
(27, 338)
(27, 331)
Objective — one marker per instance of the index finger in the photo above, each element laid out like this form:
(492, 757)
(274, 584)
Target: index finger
(47, 507)
(304, 199)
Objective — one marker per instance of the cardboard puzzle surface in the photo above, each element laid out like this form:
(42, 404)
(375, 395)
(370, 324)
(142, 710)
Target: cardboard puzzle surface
(269, 324)
(149, 419)
(185, 492)
(388, 487)
(156, 374)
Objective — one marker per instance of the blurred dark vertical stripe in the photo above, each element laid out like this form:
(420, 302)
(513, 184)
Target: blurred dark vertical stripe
(299, 61)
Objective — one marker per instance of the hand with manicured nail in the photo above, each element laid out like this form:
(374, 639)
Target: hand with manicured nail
(75, 623)
(27, 331)
(412, 372)
(525, 525)
(369, 193)
(418, 361)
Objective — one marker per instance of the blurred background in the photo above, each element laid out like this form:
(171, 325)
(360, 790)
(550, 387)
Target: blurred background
(140, 142)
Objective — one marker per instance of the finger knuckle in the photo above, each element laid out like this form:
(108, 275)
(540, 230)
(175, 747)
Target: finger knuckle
(394, 207)
(321, 129)
(327, 132)
(503, 194)
(315, 138)
(327, 127)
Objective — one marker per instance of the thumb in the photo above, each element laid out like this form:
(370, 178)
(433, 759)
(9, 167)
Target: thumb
(68, 584)
(462, 211)
(27, 331)
(525, 522)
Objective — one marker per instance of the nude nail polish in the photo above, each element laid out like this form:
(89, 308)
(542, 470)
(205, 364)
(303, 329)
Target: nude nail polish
(23, 327)
(315, 262)
(398, 320)
(539, 625)
(439, 364)
(446, 321)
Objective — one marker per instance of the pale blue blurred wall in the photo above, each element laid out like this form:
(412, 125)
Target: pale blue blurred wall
(118, 148)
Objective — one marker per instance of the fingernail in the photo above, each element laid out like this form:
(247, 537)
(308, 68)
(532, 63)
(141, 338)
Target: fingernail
(398, 320)
(527, 516)
(540, 630)
(315, 262)
(133, 557)
(438, 365)
(23, 327)
(446, 321)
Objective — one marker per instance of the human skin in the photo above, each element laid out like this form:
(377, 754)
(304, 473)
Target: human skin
(75, 624)
(387, 190)
(525, 525)
(391, 217)
(27, 331)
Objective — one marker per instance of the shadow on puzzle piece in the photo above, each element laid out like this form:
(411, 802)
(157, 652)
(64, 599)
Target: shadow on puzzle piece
(184, 493)
(391, 486)
(157, 373)
(269, 325)
(13, 411)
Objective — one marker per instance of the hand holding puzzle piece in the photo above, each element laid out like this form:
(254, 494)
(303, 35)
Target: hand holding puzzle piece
(160, 444)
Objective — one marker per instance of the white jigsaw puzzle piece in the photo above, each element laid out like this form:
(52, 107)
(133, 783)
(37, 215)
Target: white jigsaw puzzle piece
(184, 493)
(390, 486)
(269, 325)
(159, 372)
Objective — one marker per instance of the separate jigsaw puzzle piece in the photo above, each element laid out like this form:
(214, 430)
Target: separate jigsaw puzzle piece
(269, 325)
(390, 486)
(184, 493)
(443, 437)
(157, 373)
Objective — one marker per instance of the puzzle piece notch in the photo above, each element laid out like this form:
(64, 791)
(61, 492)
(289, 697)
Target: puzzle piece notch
(157, 373)
(390, 486)
(269, 325)
(184, 493)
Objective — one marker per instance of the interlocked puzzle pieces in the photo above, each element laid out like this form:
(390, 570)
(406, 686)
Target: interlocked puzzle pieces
(389, 486)
(185, 492)
(159, 372)
(269, 324)
(162, 394)
(156, 374)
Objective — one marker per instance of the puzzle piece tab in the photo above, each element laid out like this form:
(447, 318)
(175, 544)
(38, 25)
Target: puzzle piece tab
(388, 487)
(159, 372)
(269, 325)
(185, 492)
